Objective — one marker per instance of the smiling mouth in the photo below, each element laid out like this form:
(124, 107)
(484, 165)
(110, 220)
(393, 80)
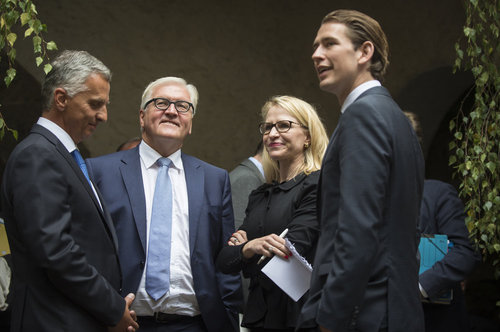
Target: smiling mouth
(169, 123)
(321, 70)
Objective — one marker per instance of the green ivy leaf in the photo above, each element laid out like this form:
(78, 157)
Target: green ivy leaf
(37, 44)
(39, 61)
(25, 17)
(28, 32)
(47, 68)
(14, 133)
(491, 166)
(51, 46)
(11, 38)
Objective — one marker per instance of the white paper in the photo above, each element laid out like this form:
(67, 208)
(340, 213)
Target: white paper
(292, 275)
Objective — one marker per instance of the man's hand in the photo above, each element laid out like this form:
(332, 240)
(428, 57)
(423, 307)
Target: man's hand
(128, 322)
(323, 329)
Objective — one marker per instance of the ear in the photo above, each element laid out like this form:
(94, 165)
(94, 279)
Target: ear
(60, 99)
(141, 118)
(366, 51)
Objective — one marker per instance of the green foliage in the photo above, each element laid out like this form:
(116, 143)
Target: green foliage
(477, 134)
(21, 14)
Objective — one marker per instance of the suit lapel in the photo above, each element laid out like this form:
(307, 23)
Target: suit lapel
(195, 179)
(132, 177)
(74, 166)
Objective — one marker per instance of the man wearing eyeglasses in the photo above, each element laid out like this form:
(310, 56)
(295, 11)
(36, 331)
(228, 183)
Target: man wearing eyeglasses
(172, 214)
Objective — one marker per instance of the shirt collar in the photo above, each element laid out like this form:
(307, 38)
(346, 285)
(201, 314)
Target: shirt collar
(357, 92)
(60, 133)
(257, 164)
(149, 156)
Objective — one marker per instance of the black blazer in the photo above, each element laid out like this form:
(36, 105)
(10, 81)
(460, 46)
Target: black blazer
(271, 209)
(64, 248)
(442, 212)
(365, 273)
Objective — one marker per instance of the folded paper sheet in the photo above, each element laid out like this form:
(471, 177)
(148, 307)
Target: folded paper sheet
(292, 275)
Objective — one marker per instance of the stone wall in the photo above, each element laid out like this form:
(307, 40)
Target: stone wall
(239, 53)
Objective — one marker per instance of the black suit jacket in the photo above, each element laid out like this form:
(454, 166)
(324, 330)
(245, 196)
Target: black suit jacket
(442, 212)
(64, 248)
(365, 270)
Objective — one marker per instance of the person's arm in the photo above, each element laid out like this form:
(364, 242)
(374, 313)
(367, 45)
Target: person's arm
(461, 258)
(230, 283)
(303, 229)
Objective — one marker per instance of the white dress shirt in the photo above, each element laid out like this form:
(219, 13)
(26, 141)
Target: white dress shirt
(357, 92)
(65, 139)
(181, 298)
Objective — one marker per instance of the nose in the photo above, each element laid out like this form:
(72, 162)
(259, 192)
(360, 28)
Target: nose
(171, 109)
(317, 54)
(274, 132)
(102, 115)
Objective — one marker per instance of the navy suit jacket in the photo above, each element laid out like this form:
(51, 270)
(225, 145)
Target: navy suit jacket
(365, 270)
(64, 247)
(211, 223)
(442, 212)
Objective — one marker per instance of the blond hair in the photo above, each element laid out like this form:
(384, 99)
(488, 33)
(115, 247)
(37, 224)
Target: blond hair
(306, 115)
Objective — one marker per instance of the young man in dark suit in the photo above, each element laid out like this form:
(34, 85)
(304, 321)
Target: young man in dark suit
(196, 223)
(365, 275)
(64, 248)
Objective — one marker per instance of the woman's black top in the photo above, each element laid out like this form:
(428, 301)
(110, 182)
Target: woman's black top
(272, 208)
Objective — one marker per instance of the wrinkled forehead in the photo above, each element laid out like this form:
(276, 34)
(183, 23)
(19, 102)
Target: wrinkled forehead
(172, 91)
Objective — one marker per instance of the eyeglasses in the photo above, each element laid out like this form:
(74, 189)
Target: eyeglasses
(281, 126)
(163, 104)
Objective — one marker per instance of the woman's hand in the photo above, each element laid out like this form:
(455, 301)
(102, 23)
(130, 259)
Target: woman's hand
(267, 246)
(238, 238)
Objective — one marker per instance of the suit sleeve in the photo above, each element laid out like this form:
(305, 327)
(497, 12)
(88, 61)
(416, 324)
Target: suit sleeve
(364, 142)
(43, 217)
(449, 219)
(230, 284)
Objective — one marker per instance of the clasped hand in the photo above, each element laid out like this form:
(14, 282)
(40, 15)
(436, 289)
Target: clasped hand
(266, 245)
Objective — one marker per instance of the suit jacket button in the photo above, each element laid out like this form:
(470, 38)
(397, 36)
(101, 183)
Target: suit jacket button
(142, 264)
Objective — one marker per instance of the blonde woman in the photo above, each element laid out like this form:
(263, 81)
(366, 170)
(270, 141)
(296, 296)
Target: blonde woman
(295, 141)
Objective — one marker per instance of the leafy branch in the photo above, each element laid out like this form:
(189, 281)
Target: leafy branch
(23, 14)
(477, 134)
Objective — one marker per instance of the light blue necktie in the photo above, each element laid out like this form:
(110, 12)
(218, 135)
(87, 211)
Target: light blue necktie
(79, 160)
(160, 229)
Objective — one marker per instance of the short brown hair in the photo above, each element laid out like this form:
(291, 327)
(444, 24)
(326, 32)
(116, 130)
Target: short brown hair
(361, 28)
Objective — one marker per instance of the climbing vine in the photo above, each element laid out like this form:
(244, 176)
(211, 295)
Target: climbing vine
(20, 15)
(476, 144)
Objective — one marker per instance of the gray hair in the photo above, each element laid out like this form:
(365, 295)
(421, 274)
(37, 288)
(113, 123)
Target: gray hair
(193, 92)
(70, 70)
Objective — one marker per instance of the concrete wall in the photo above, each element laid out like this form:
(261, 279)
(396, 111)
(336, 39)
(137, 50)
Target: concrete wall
(239, 53)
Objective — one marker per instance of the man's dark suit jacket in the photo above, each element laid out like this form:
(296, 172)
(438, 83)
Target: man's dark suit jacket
(442, 212)
(64, 248)
(365, 270)
(211, 223)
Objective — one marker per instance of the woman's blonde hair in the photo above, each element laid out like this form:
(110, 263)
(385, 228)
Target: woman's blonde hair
(306, 115)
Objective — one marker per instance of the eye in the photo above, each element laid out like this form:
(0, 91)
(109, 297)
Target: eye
(283, 125)
(162, 104)
(96, 104)
(182, 106)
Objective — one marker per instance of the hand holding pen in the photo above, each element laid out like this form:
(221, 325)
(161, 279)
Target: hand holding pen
(271, 248)
(265, 246)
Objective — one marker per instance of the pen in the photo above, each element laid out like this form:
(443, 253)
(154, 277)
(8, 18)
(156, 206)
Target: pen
(282, 235)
